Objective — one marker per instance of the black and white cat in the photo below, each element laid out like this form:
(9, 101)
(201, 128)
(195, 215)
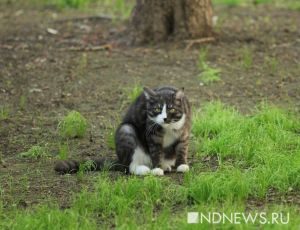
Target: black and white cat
(152, 137)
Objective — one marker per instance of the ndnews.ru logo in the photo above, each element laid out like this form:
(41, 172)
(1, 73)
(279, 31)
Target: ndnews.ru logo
(237, 218)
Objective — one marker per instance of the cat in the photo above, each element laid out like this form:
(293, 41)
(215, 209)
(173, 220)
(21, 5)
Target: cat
(153, 136)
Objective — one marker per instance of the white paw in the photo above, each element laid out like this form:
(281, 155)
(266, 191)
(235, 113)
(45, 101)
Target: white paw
(157, 172)
(183, 168)
(141, 170)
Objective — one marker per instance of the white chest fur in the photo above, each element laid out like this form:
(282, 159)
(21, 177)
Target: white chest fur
(170, 137)
(172, 132)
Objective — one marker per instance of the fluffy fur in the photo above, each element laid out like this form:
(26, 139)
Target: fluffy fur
(152, 137)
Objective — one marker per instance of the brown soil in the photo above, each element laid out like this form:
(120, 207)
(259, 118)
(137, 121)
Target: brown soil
(42, 78)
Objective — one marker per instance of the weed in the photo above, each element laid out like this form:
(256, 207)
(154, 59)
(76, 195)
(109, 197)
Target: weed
(63, 151)
(202, 58)
(73, 125)
(35, 152)
(82, 63)
(1, 158)
(286, 4)
(116, 8)
(4, 113)
(247, 58)
(262, 1)
(122, 8)
(88, 165)
(228, 2)
(133, 93)
(130, 95)
(68, 3)
(110, 129)
(219, 22)
(210, 75)
(23, 102)
(110, 139)
(24, 182)
(292, 5)
(245, 2)
(271, 64)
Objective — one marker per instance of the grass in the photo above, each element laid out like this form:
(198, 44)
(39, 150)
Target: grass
(35, 152)
(291, 5)
(23, 102)
(247, 58)
(288, 4)
(123, 8)
(255, 153)
(219, 23)
(115, 8)
(120, 8)
(202, 58)
(69, 3)
(264, 148)
(134, 92)
(118, 203)
(229, 2)
(130, 94)
(63, 152)
(73, 125)
(208, 74)
(1, 158)
(271, 64)
(110, 139)
(4, 113)
(85, 167)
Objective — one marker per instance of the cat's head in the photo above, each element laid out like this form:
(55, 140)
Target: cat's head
(165, 106)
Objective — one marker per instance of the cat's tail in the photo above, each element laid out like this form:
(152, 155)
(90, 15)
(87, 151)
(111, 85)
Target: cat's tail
(73, 166)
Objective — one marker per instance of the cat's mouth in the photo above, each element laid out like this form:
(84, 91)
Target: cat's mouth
(168, 124)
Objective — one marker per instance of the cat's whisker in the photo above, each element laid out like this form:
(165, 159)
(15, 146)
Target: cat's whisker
(153, 128)
(149, 129)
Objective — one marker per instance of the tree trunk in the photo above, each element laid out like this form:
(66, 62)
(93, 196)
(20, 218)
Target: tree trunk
(157, 20)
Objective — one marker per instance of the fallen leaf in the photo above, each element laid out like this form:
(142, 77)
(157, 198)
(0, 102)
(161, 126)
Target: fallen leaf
(52, 31)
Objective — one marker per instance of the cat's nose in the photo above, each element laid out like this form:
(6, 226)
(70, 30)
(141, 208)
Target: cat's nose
(165, 119)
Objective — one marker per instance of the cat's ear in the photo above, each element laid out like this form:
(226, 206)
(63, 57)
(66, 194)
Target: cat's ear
(180, 93)
(149, 93)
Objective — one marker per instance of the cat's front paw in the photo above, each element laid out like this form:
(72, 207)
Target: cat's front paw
(157, 172)
(183, 168)
(141, 170)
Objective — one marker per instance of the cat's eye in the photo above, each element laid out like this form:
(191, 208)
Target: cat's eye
(156, 110)
(172, 110)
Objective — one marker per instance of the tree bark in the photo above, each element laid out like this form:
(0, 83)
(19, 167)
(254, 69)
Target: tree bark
(158, 20)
